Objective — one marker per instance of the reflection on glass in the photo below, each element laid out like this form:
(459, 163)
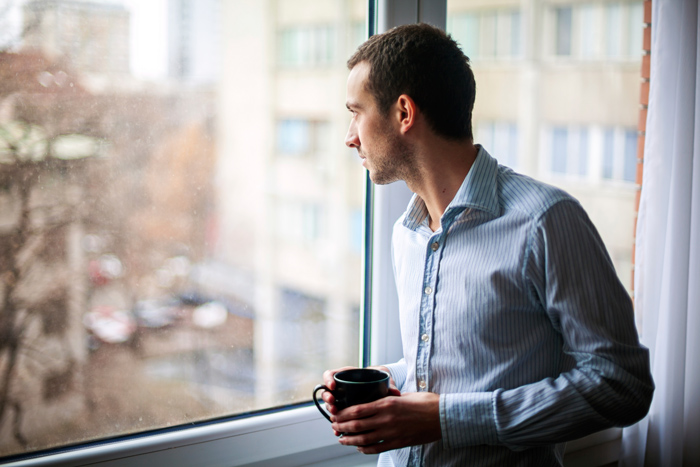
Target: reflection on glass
(563, 105)
(180, 221)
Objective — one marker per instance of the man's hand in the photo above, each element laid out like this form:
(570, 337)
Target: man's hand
(330, 384)
(390, 423)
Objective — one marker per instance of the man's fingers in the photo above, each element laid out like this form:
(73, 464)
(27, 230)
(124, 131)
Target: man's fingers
(328, 376)
(364, 411)
(369, 443)
(328, 397)
(379, 447)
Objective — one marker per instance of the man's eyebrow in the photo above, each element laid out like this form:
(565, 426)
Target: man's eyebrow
(352, 105)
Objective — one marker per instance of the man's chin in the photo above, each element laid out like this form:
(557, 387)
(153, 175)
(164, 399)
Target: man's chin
(378, 179)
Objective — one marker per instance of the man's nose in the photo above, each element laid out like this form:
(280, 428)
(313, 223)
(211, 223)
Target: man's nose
(351, 139)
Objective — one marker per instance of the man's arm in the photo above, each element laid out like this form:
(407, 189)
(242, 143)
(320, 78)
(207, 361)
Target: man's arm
(606, 380)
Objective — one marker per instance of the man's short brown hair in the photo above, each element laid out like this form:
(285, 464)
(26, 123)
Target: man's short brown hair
(425, 63)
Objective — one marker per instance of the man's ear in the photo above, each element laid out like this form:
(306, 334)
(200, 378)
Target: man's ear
(406, 112)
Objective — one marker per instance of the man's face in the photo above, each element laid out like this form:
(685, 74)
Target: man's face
(376, 137)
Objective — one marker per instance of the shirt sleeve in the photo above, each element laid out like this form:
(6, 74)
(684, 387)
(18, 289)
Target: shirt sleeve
(605, 380)
(398, 372)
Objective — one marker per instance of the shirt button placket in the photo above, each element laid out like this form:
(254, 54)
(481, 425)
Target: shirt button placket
(423, 346)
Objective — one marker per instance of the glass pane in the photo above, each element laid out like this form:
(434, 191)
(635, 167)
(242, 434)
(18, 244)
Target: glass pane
(634, 32)
(563, 28)
(583, 152)
(513, 145)
(465, 30)
(488, 36)
(613, 30)
(163, 260)
(560, 153)
(588, 34)
(293, 136)
(484, 133)
(608, 153)
(574, 124)
(504, 143)
(630, 164)
(515, 38)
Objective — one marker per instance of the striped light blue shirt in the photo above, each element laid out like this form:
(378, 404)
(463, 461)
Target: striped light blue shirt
(513, 313)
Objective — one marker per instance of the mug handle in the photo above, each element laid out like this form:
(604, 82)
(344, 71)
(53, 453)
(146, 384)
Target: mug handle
(323, 412)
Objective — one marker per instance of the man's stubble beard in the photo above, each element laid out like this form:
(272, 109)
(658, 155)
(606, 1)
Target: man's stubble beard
(394, 160)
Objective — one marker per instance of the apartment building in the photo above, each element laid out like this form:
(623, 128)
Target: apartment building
(557, 99)
(291, 193)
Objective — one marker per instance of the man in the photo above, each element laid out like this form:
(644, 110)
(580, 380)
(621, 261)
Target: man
(517, 335)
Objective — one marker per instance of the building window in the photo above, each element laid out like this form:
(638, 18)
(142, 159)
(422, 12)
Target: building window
(569, 151)
(593, 153)
(299, 221)
(563, 31)
(298, 137)
(356, 230)
(597, 31)
(619, 154)
(293, 137)
(307, 46)
(501, 140)
(487, 34)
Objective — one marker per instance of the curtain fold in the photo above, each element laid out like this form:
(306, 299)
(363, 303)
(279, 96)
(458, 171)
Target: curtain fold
(667, 258)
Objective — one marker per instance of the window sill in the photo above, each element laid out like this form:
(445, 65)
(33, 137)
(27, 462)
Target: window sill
(293, 437)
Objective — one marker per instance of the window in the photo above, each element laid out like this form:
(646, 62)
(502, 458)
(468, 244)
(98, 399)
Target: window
(303, 138)
(593, 154)
(597, 31)
(501, 138)
(307, 46)
(487, 34)
(569, 151)
(299, 221)
(293, 137)
(173, 255)
(620, 154)
(563, 31)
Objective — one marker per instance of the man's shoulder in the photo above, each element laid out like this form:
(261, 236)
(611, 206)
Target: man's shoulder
(524, 194)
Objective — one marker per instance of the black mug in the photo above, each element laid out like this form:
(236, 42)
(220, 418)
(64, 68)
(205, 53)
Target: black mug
(357, 386)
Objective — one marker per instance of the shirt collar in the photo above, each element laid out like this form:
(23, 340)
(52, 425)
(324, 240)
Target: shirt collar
(478, 191)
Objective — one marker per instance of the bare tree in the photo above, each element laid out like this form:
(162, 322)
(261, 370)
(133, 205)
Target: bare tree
(46, 137)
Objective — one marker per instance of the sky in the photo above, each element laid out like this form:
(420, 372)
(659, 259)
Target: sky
(147, 42)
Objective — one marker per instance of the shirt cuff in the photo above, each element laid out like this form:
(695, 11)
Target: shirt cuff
(399, 373)
(467, 419)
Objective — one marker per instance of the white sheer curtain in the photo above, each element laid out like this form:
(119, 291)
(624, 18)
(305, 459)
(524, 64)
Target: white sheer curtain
(667, 274)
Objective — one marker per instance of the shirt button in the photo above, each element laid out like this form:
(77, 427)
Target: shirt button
(424, 338)
(421, 384)
(428, 290)
(435, 246)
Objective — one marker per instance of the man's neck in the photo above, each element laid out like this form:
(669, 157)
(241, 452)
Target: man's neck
(443, 168)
